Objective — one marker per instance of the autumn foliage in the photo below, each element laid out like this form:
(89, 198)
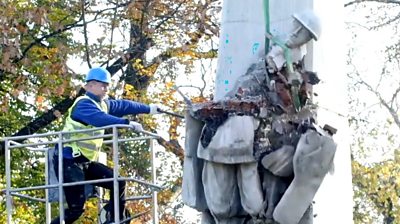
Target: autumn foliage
(46, 47)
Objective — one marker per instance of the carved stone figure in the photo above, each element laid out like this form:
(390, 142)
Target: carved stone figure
(260, 153)
(312, 161)
(293, 85)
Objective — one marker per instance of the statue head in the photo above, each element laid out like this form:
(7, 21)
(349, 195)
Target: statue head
(306, 26)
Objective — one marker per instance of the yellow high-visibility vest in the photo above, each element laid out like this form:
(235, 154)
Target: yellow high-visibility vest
(88, 148)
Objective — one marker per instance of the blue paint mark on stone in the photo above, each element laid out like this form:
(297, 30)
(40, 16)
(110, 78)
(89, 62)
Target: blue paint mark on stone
(255, 47)
(227, 39)
(226, 89)
(226, 82)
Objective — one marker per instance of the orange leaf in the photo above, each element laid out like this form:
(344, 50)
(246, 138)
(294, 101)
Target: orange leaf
(39, 99)
(169, 84)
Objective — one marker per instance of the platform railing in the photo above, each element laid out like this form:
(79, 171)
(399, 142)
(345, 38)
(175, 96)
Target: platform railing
(12, 143)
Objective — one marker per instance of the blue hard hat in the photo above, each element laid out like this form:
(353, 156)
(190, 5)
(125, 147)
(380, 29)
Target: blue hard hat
(98, 74)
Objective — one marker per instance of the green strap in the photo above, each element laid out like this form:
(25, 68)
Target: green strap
(286, 50)
(267, 23)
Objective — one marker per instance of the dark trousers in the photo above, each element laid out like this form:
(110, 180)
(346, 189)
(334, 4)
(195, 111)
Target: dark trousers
(79, 169)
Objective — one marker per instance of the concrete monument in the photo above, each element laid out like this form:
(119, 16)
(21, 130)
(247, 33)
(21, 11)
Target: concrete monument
(257, 155)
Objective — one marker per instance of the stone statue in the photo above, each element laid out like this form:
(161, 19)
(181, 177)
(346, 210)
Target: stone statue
(258, 155)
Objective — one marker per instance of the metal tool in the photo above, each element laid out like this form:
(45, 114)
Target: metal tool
(185, 98)
(170, 113)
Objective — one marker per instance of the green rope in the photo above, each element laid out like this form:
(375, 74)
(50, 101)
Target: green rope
(286, 51)
(267, 23)
(288, 55)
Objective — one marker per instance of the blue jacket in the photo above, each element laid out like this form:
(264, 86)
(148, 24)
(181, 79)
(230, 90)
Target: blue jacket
(86, 112)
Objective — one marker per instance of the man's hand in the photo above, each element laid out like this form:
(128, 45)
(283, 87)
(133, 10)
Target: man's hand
(154, 109)
(136, 126)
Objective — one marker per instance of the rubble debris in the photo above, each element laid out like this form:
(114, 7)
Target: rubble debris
(214, 110)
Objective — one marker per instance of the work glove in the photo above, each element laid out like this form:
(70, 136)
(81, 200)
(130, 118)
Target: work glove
(154, 109)
(136, 126)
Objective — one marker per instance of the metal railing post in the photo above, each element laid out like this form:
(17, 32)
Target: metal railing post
(102, 159)
(8, 182)
(60, 177)
(115, 175)
(46, 191)
(154, 180)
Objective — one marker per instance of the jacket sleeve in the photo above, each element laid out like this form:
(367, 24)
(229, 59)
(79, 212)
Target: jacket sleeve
(121, 108)
(88, 113)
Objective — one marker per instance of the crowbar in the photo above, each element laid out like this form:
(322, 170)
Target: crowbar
(170, 113)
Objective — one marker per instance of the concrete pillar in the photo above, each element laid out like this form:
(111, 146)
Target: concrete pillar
(241, 42)
(242, 36)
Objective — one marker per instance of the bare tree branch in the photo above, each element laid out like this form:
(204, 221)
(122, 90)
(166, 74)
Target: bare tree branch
(390, 21)
(380, 1)
(170, 16)
(394, 96)
(172, 146)
(113, 22)
(392, 112)
(85, 33)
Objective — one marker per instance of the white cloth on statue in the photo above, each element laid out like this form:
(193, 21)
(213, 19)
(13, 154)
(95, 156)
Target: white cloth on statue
(232, 142)
(232, 189)
(312, 160)
(276, 57)
(192, 187)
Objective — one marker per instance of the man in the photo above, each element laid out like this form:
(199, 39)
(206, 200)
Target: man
(79, 158)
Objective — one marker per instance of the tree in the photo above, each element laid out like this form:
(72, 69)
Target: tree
(374, 104)
(144, 44)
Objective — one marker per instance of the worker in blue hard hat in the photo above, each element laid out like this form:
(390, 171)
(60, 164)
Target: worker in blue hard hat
(80, 157)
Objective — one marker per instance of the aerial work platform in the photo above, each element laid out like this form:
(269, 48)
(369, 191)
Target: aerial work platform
(43, 145)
